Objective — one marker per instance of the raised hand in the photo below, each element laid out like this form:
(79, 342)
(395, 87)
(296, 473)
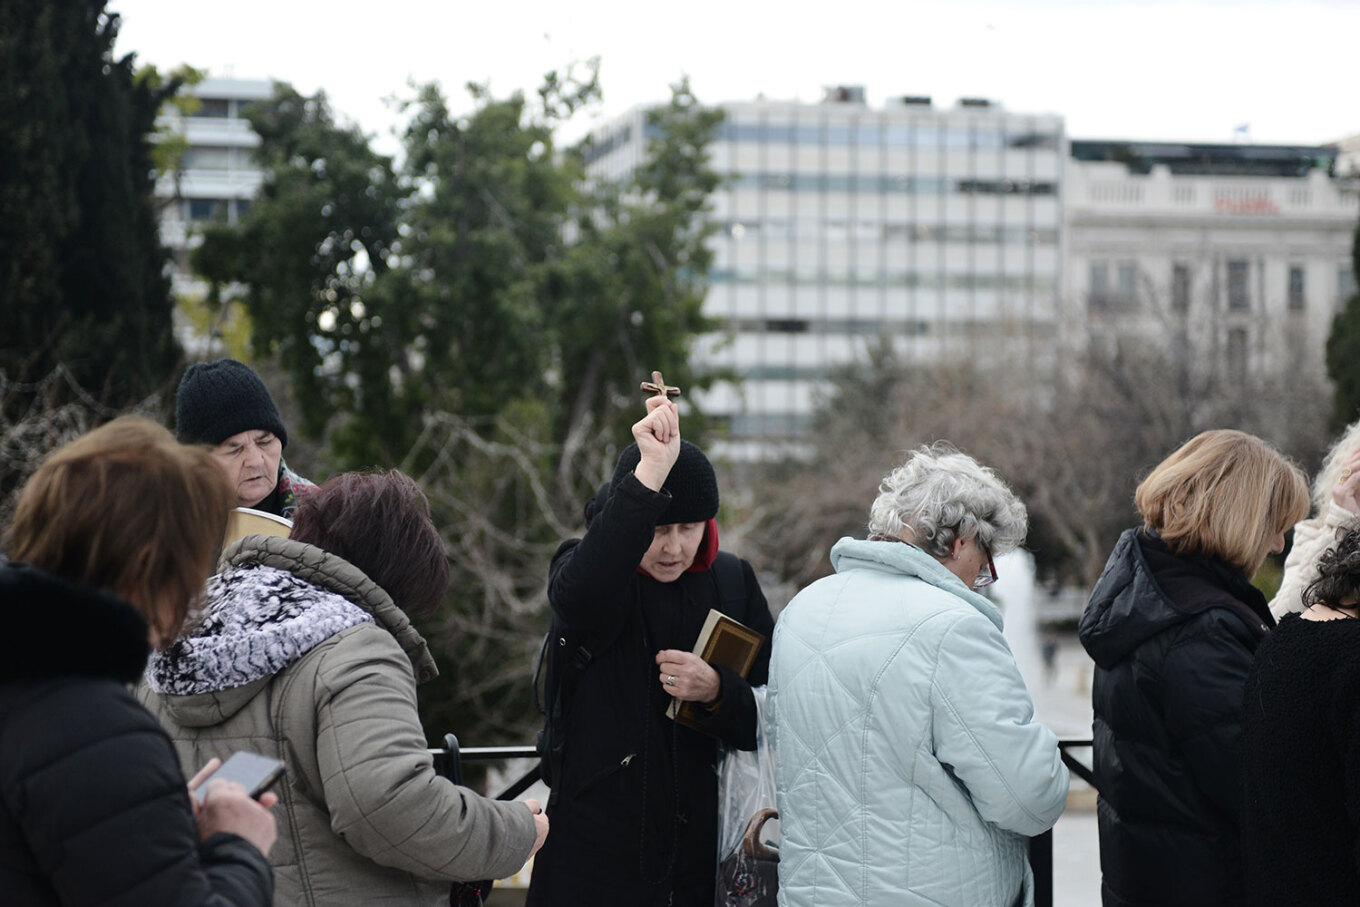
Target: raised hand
(658, 440)
(1346, 492)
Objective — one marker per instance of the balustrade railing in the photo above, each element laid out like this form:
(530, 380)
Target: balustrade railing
(449, 762)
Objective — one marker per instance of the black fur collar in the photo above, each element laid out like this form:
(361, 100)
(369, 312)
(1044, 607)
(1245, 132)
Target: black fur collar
(54, 628)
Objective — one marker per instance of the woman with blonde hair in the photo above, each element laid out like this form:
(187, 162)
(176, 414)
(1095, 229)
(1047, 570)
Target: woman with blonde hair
(1173, 624)
(113, 537)
(1336, 503)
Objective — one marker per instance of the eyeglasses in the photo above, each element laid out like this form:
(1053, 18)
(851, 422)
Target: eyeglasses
(987, 577)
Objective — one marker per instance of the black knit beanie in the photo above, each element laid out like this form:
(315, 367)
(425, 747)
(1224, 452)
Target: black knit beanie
(219, 399)
(692, 484)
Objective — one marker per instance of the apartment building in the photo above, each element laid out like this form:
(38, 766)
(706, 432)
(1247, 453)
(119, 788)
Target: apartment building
(218, 177)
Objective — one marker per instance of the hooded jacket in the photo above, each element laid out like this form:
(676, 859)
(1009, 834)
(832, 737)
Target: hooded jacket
(909, 767)
(634, 817)
(94, 809)
(1173, 640)
(301, 657)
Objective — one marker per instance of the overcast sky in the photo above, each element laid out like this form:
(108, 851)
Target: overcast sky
(1152, 69)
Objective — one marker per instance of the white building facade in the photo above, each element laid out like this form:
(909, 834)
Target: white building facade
(840, 224)
(218, 177)
(1236, 256)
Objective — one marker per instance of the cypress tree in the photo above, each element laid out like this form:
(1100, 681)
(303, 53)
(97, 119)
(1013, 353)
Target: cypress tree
(1343, 354)
(83, 283)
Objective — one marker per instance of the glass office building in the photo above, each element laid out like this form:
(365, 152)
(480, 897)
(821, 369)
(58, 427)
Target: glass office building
(840, 223)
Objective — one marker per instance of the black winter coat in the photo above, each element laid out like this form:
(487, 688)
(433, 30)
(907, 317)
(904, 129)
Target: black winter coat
(1173, 639)
(93, 806)
(1301, 766)
(635, 817)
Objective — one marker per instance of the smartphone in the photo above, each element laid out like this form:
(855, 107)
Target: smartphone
(252, 771)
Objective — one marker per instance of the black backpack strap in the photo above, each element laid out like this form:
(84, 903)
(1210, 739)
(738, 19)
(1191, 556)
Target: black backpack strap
(561, 660)
(730, 579)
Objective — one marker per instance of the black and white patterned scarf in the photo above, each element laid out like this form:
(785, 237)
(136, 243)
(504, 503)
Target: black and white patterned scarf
(258, 620)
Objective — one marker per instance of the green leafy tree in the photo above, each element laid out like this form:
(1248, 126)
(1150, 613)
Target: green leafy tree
(1343, 354)
(169, 143)
(321, 233)
(480, 318)
(82, 281)
(628, 292)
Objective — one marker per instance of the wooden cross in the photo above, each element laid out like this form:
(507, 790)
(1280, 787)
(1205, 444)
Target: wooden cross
(658, 386)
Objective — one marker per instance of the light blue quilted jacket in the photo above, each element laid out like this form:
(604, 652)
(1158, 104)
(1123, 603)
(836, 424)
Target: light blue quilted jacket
(908, 764)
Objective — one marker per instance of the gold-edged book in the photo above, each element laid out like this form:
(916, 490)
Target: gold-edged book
(722, 641)
(244, 521)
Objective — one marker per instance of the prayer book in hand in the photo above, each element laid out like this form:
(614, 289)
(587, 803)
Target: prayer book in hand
(722, 641)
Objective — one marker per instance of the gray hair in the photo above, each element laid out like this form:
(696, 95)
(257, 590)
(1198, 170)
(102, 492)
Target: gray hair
(1330, 473)
(940, 495)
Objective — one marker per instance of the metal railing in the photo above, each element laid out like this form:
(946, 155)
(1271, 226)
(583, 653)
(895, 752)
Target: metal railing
(1041, 846)
(449, 762)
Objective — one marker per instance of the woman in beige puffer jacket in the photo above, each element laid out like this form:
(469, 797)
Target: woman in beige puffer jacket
(301, 656)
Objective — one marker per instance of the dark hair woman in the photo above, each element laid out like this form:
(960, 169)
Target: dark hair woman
(1172, 624)
(1301, 745)
(304, 652)
(118, 530)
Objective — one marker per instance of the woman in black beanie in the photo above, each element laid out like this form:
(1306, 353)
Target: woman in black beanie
(634, 794)
(225, 405)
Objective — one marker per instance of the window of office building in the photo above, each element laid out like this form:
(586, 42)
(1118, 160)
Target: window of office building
(208, 208)
(1296, 287)
(214, 108)
(1237, 354)
(1121, 293)
(1098, 288)
(1180, 287)
(1238, 297)
(1126, 285)
(207, 157)
(1345, 284)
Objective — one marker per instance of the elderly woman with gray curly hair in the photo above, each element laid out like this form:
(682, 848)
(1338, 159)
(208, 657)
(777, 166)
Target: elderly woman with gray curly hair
(909, 767)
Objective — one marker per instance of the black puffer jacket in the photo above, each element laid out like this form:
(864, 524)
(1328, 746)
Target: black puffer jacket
(1173, 640)
(93, 805)
(634, 820)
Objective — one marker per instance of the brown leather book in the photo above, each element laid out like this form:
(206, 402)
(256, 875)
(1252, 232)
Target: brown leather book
(722, 641)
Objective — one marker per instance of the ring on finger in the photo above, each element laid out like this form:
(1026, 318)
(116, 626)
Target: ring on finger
(1345, 473)
(670, 681)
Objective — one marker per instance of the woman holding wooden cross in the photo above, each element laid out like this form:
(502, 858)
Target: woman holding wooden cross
(634, 793)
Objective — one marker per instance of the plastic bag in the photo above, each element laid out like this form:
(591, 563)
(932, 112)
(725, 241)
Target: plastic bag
(748, 824)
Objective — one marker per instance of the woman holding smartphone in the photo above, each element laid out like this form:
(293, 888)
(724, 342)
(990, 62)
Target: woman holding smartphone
(112, 538)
